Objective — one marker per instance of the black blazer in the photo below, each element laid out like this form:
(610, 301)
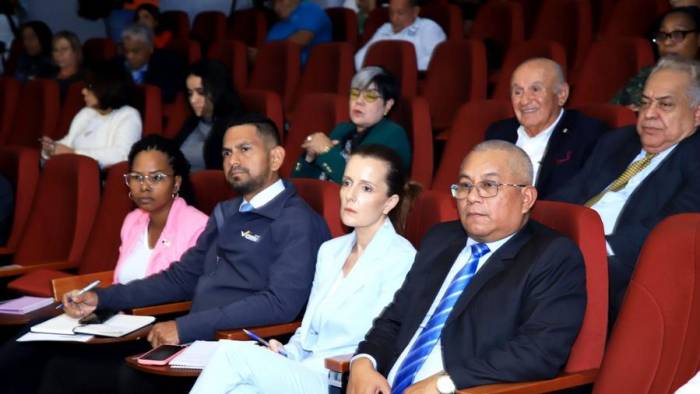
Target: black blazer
(673, 187)
(568, 148)
(165, 70)
(515, 321)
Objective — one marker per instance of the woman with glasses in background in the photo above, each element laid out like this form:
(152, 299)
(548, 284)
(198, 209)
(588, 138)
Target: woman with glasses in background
(373, 92)
(163, 226)
(677, 35)
(106, 127)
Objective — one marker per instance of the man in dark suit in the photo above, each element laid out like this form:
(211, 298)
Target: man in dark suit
(558, 141)
(636, 177)
(515, 320)
(161, 68)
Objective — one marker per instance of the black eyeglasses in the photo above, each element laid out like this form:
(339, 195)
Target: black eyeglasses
(675, 36)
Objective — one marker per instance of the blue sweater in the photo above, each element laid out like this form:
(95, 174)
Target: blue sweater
(258, 272)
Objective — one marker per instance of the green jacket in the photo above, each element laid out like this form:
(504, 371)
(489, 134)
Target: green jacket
(331, 165)
(631, 93)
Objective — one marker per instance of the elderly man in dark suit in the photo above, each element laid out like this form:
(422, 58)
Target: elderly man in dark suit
(635, 177)
(558, 141)
(492, 297)
(158, 67)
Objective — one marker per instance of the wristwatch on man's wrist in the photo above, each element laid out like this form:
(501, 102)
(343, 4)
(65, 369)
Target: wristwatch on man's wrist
(445, 385)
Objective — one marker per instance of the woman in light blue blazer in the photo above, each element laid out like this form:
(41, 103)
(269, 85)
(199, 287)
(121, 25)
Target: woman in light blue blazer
(356, 277)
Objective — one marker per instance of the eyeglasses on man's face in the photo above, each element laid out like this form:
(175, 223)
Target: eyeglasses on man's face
(133, 178)
(370, 95)
(675, 36)
(485, 189)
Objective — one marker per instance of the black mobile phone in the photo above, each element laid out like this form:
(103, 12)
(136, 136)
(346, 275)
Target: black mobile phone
(97, 317)
(160, 355)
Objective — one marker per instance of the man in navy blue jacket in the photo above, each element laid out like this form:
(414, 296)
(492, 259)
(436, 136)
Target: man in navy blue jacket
(253, 264)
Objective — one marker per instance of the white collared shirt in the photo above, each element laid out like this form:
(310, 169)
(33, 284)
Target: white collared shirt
(424, 34)
(266, 195)
(611, 204)
(536, 146)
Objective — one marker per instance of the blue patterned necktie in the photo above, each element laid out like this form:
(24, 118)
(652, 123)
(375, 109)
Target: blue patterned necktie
(430, 334)
(245, 207)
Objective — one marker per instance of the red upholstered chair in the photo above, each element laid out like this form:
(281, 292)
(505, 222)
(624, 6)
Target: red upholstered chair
(188, 50)
(9, 95)
(61, 217)
(315, 112)
(329, 69)
(500, 25)
(41, 96)
(277, 69)
(175, 114)
(399, 57)
(146, 99)
(414, 115)
(567, 22)
(72, 104)
(448, 16)
(457, 73)
(266, 103)
(102, 248)
(210, 188)
(467, 130)
(614, 116)
(208, 27)
(608, 66)
(21, 168)
(531, 9)
(520, 52)
(234, 55)
(344, 22)
(249, 26)
(324, 198)
(376, 18)
(99, 50)
(653, 346)
(430, 208)
(179, 23)
(620, 23)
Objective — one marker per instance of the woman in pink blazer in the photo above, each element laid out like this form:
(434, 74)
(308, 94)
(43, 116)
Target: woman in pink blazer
(163, 226)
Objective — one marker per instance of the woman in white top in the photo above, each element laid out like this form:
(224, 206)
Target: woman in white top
(356, 276)
(107, 127)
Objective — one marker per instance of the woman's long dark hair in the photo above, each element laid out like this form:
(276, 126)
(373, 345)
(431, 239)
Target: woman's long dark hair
(219, 90)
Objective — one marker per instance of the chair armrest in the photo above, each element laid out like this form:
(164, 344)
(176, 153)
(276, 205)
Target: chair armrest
(340, 364)
(162, 309)
(562, 381)
(16, 269)
(262, 331)
(60, 286)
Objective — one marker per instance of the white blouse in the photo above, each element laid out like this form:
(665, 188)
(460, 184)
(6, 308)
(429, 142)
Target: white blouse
(105, 138)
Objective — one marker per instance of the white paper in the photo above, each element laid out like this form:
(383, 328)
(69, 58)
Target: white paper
(34, 336)
(61, 324)
(196, 356)
(116, 326)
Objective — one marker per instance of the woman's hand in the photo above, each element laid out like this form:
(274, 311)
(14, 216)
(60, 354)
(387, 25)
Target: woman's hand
(47, 146)
(317, 144)
(61, 149)
(276, 346)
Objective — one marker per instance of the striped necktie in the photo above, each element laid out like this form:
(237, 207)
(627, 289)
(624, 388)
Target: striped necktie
(430, 334)
(621, 181)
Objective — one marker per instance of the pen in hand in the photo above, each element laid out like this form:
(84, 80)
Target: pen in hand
(263, 342)
(82, 291)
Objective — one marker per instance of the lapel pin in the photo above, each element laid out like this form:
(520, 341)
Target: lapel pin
(565, 130)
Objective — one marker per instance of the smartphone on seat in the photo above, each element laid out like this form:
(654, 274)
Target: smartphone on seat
(160, 355)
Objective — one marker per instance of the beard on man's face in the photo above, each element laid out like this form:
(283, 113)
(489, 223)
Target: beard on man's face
(244, 184)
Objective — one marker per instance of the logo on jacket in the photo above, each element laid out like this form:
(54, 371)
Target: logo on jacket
(250, 236)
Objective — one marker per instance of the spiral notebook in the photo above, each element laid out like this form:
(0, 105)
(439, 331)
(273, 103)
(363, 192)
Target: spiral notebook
(196, 356)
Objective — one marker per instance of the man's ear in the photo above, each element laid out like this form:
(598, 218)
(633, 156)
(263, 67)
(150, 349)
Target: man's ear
(563, 94)
(529, 197)
(276, 157)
